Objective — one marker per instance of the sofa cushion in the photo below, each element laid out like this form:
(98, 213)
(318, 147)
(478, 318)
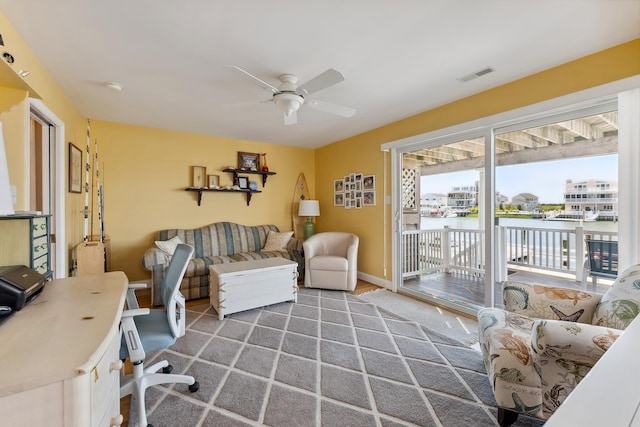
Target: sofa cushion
(621, 303)
(248, 256)
(200, 266)
(221, 238)
(277, 241)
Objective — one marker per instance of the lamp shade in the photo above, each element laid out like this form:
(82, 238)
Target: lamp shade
(309, 208)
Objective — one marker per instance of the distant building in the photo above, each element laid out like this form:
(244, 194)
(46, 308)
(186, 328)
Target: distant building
(501, 199)
(463, 197)
(592, 195)
(434, 199)
(525, 201)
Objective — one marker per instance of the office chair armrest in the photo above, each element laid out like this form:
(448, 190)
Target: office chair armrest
(132, 301)
(135, 312)
(139, 285)
(130, 333)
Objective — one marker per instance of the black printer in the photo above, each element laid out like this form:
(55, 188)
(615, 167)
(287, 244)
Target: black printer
(19, 285)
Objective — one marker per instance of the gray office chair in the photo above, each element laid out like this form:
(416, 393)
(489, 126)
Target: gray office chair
(147, 330)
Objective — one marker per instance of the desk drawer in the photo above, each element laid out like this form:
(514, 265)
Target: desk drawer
(40, 246)
(39, 226)
(41, 265)
(105, 384)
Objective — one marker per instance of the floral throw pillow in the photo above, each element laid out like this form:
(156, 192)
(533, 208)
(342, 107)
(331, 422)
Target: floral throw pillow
(277, 241)
(620, 304)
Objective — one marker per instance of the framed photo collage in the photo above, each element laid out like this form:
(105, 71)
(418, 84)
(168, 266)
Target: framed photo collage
(355, 191)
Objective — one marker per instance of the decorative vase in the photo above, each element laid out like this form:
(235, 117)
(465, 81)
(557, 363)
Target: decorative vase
(265, 168)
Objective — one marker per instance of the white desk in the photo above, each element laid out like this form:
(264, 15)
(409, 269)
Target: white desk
(59, 361)
(609, 395)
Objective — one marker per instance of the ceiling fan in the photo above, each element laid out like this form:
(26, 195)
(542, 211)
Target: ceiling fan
(289, 98)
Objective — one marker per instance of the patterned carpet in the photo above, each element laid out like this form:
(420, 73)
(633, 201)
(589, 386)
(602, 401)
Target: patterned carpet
(330, 359)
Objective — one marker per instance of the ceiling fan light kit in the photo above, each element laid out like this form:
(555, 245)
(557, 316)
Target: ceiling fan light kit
(288, 102)
(288, 97)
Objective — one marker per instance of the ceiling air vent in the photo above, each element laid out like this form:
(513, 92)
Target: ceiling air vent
(476, 74)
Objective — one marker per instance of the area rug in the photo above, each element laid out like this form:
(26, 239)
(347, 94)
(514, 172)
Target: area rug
(330, 359)
(452, 325)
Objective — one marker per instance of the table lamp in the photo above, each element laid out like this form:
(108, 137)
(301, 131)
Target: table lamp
(309, 208)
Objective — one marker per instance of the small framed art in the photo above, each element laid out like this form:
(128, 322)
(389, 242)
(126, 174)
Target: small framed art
(75, 169)
(199, 175)
(243, 182)
(248, 161)
(213, 181)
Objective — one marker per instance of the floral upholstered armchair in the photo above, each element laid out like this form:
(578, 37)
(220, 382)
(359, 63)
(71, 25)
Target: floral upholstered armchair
(546, 340)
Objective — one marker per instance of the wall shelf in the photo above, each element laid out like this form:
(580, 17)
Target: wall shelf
(249, 193)
(237, 172)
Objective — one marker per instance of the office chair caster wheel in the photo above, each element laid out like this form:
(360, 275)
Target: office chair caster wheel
(167, 370)
(194, 387)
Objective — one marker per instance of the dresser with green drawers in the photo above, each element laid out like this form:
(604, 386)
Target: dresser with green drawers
(25, 240)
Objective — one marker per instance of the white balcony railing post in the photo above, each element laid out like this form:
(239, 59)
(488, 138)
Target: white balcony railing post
(446, 249)
(581, 253)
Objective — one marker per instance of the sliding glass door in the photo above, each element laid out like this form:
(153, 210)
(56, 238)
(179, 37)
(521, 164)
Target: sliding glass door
(514, 199)
(557, 185)
(442, 232)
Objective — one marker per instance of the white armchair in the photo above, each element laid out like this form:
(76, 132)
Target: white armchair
(331, 261)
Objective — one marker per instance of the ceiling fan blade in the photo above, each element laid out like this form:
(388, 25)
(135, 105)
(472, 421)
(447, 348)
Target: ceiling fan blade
(264, 85)
(328, 107)
(291, 119)
(319, 82)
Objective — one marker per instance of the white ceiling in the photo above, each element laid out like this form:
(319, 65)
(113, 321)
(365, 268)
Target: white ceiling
(399, 58)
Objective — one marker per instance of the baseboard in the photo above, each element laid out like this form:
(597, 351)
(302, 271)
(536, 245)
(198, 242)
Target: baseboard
(375, 280)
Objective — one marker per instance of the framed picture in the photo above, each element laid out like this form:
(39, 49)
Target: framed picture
(338, 186)
(369, 182)
(243, 182)
(199, 176)
(75, 169)
(369, 198)
(248, 161)
(214, 181)
(338, 199)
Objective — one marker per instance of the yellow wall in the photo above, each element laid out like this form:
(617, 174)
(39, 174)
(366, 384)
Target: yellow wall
(14, 120)
(145, 172)
(361, 153)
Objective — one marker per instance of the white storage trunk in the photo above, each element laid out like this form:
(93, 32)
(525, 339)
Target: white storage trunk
(244, 285)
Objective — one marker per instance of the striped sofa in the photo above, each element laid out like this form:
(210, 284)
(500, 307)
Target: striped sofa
(218, 243)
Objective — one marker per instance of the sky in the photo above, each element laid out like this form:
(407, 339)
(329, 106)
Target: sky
(543, 179)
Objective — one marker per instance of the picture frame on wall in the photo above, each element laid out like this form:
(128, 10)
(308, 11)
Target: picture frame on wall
(198, 176)
(369, 182)
(338, 199)
(338, 186)
(368, 198)
(248, 161)
(243, 182)
(75, 169)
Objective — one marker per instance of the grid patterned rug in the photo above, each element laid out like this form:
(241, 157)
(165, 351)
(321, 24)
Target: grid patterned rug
(330, 359)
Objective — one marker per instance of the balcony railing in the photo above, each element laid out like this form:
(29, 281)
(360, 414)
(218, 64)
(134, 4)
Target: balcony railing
(462, 250)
